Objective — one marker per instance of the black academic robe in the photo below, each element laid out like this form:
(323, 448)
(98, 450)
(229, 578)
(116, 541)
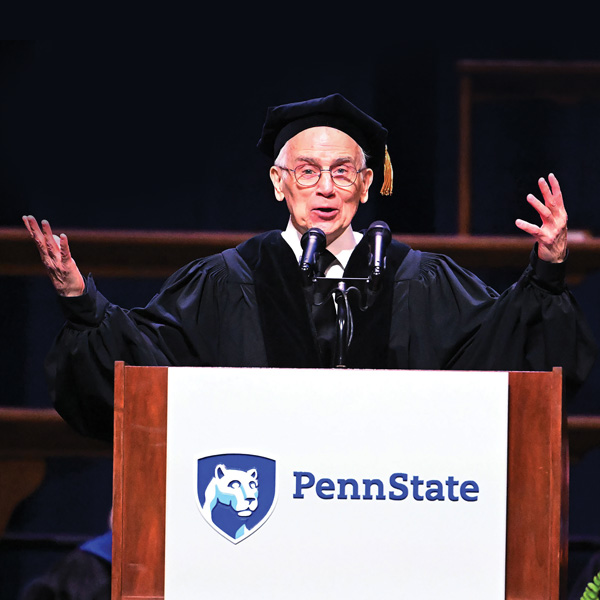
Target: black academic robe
(246, 307)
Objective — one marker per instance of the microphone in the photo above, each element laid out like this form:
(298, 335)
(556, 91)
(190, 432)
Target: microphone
(313, 243)
(378, 237)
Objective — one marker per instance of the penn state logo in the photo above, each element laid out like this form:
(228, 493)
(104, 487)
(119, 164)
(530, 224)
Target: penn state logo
(236, 493)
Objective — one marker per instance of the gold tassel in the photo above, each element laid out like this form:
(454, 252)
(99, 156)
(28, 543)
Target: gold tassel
(388, 175)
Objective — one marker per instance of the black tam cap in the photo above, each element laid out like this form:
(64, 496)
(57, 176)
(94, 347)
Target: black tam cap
(284, 122)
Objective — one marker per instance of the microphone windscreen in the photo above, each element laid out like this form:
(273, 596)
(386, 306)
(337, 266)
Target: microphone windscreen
(317, 235)
(380, 227)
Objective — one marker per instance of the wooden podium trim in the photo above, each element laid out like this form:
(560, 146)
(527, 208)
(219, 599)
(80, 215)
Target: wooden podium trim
(139, 482)
(537, 504)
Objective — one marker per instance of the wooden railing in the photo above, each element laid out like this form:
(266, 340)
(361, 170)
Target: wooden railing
(114, 253)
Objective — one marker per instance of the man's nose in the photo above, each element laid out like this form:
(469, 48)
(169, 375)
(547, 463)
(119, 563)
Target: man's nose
(326, 185)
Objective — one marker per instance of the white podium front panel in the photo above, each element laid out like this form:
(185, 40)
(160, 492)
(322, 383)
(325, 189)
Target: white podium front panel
(298, 483)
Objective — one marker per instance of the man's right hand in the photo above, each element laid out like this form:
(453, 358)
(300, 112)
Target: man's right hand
(56, 257)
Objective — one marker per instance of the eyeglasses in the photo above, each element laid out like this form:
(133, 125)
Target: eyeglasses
(307, 175)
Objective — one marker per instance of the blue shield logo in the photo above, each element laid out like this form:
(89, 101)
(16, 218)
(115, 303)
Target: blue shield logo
(237, 493)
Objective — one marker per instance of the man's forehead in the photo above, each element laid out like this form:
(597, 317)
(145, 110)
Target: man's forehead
(323, 140)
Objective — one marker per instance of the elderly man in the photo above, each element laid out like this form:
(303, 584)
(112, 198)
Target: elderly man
(248, 307)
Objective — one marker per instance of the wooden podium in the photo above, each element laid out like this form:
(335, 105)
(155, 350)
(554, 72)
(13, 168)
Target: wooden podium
(537, 498)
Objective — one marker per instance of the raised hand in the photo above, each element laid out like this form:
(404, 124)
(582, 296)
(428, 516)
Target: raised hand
(56, 257)
(551, 236)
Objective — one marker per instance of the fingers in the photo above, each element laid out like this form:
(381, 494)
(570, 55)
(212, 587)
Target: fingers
(32, 226)
(47, 243)
(527, 227)
(38, 237)
(34, 230)
(540, 207)
(65, 251)
(56, 257)
(545, 189)
(541, 234)
(52, 247)
(552, 234)
(551, 193)
(552, 210)
(555, 186)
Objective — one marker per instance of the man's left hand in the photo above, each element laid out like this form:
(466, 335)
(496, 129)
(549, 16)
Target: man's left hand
(551, 236)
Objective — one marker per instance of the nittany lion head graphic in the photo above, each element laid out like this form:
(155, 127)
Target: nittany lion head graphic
(228, 491)
(238, 489)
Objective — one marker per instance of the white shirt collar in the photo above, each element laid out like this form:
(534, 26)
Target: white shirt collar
(341, 248)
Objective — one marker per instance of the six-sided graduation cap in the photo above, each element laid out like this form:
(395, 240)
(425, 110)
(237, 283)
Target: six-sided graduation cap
(284, 122)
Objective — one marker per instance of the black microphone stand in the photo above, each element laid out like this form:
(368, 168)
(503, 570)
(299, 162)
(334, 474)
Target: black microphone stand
(378, 237)
(341, 289)
(344, 324)
(366, 288)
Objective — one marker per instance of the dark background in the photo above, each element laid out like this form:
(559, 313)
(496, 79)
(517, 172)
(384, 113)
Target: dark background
(162, 135)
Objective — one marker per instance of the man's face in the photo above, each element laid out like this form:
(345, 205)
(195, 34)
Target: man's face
(325, 205)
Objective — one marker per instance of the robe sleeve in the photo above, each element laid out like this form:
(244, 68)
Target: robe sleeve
(458, 322)
(177, 327)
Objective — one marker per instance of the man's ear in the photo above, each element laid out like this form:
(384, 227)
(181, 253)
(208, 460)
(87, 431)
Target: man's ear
(367, 181)
(277, 180)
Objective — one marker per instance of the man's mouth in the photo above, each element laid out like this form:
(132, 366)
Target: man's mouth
(325, 212)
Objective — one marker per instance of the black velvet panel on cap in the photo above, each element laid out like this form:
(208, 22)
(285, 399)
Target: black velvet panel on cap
(284, 122)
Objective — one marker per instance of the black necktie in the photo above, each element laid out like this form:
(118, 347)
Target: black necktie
(323, 262)
(324, 315)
